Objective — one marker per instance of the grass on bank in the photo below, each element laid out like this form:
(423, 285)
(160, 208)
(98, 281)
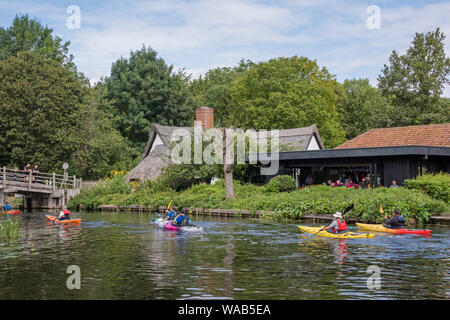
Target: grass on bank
(412, 203)
(9, 229)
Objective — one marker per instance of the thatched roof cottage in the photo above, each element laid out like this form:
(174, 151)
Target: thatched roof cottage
(156, 156)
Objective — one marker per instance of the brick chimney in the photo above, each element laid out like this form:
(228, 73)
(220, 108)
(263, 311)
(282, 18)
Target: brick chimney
(206, 116)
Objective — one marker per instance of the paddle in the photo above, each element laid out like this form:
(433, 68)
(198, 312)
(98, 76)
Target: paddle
(350, 207)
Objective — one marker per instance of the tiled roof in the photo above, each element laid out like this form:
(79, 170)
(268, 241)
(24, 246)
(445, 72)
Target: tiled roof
(437, 135)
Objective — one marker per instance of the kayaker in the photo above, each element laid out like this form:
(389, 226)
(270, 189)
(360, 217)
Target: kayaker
(7, 206)
(64, 214)
(338, 225)
(170, 214)
(396, 221)
(180, 219)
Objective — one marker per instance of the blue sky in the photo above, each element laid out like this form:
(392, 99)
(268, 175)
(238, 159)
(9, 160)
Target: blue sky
(201, 34)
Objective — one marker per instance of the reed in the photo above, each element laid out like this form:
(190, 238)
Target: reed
(9, 229)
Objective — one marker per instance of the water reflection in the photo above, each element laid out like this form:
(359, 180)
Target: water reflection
(122, 256)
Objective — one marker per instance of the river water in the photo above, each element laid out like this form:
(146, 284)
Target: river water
(123, 256)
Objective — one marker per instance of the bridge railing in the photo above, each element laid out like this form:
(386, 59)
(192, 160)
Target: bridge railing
(35, 179)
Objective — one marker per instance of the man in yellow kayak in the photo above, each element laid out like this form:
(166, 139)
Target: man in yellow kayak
(338, 225)
(395, 222)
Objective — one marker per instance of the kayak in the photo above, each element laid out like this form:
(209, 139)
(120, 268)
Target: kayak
(55, 219)
(167, 225)
(10, 212)
(326, 234)
(381, 228)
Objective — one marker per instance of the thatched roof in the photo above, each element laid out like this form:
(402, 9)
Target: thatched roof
(157, 157)
(298, 139)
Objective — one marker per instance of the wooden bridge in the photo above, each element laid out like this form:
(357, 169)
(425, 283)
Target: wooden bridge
(39, 189)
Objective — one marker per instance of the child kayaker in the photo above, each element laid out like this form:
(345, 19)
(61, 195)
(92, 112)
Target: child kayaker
(180, 219)
(338, 225)
(396, 221)
(64, 214)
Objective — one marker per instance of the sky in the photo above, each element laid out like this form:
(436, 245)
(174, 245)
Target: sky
(352, 39)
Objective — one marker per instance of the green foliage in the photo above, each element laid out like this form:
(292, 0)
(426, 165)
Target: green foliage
(362, 108)
(416, 80)
(413, 204)
(42, 111)
(288, 93)
(103, 146)
(27, 34)
(281, 183)
(436, 185)
(143, 89)
(9, 229)
(214, 90)
(183, 176)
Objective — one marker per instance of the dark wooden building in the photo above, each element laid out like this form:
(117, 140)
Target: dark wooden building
(383, 154)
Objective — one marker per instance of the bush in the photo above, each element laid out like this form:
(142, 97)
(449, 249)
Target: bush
(182, 176)
(316, 200)
(436, 186)
(282, 183)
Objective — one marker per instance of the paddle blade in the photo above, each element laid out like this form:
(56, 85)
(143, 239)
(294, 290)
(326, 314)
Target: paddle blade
(350, 207)
(381, 209)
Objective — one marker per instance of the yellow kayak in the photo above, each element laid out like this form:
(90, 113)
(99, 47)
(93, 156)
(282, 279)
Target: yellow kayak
(324, 233)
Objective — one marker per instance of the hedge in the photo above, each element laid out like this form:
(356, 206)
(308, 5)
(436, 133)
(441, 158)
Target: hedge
(412, 203)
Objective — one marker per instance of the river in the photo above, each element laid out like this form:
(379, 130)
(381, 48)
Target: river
(123, 256)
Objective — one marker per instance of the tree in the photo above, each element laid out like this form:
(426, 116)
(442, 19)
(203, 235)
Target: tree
(42, 112)
(27, 34)
(287, 93)
(103, 148)
(362, 108)
(144, 89)
(214, 89)
(416, 79)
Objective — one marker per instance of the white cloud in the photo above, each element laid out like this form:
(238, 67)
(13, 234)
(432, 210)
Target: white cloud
(202, 34)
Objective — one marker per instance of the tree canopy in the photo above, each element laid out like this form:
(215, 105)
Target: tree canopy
(416, 79)
(27, 34)
(362, 108)
(143, 89)
(288, 93)
(42, 110)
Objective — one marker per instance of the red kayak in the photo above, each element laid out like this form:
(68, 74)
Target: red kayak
(10, 212)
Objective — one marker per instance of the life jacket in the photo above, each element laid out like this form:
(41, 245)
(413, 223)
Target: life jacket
(179, 219)
(342, 225)
(171, 215)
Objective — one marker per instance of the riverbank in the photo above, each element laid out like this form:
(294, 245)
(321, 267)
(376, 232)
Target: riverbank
(250, 200)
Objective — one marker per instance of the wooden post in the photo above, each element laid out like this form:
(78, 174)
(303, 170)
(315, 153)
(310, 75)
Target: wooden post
(29, 182)
(4, 177)
(74, 181)
(54, 181)
(81, 183)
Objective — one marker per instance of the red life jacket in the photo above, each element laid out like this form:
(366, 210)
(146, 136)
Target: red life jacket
(342, 225)
(66, 212)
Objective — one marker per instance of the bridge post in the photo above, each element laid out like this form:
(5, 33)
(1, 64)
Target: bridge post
(4, 177)
(54, 181)
(74, 181)
(29, 181)
(2, 197)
